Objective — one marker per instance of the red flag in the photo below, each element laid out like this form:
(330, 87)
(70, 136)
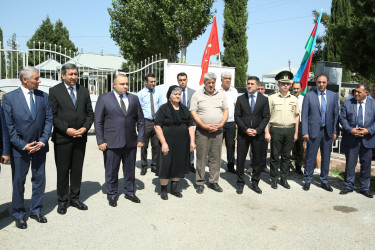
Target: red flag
(212, 48)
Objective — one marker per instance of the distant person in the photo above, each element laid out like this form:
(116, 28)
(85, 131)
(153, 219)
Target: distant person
(319, 129)
(118, 117)
(150, 100)
(229, 129)
(209, 109)
(4, 140)
(357, 118)
(372, 92)
(28, 118)
(351, 95)
(284, 122)
(186, 95)
(252, 115)
(297, 88)
(175, 130)
(72, 119)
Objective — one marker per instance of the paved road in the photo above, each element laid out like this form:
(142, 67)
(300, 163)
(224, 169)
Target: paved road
(281, 218)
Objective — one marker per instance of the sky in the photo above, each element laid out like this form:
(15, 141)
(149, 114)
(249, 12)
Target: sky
(277, 30)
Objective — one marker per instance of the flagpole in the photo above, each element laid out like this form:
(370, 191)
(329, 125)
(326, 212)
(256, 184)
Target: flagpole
(220, 64)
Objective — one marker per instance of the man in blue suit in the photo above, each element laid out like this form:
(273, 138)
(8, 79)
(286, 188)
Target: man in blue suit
(357, 118)
(29, 120)
(319, 128)
(117, 115)
(4, 140)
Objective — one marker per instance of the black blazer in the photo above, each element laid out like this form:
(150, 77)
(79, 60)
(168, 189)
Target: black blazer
(66, 115)
(243, 115)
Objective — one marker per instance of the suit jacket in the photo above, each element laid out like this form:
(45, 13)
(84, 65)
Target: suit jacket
(115, 129)
(66, 115)
(190, 94)
(4, 141)
(22, 128)
(348, 121)
(311, 114)
(243, 115)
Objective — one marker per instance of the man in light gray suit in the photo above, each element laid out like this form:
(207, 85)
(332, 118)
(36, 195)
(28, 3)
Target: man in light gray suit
(186, 95)
(319, 128)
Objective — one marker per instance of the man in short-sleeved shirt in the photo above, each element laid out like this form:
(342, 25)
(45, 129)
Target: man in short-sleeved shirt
(210, 112)
(284, 122)
(229, 129)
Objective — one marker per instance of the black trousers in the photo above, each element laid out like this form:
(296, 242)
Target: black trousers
(229, 134)
(150, 134)
(242, 149)
(299, 148)
(69, 159)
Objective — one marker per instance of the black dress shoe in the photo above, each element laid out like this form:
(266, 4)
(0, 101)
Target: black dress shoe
(345, 191)
(143, 170)
(200, 189)
(285, 184)
(39, 218)
(232, 170)
(326, 186)
(215, 187)
(62, 207)
(274, 184)
(21, 223)
(78, 204)
(112, 201)
(153, 170)
(177, 194)
(239, 190)
(306, 186)
(257, 189)
(366, 193)
(133, 198)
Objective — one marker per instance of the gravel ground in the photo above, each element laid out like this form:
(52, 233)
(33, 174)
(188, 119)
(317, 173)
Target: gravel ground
(281, 218)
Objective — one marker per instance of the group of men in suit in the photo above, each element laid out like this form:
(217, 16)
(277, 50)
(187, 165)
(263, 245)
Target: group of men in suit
(29, 116)
(121, 126)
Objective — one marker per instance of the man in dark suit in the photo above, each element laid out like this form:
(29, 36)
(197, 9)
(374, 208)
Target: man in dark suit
(4, 140)
(357, 118)
(72, 118)
(251, 114)
(117, 115)
(28, 118)
(186, 95)
(319, 128)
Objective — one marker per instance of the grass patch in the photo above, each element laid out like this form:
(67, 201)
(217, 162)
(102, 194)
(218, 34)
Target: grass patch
(341, 175)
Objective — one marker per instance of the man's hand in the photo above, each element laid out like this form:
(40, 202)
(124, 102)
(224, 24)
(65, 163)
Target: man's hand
(140, 144)
(81, 131)
(334, 137)
(5, 159)
(295, 136)
(267, 136)
(33, 147)
(102, 147)
(251, 132)
(76, 132)
(192, 146)
(305, 137)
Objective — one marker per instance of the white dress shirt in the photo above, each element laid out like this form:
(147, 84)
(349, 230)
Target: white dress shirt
(231, 94)
(124, 98)
(25, 92)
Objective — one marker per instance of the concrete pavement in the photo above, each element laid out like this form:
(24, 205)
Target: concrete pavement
(281, 218)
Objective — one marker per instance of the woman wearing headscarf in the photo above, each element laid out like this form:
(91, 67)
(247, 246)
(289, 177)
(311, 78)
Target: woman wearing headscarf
(175, 131)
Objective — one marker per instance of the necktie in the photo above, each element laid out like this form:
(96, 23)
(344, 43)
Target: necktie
(184, 97)
(323, 108)
(360, 116)
(252, 105)
(32, 104)
(123, 107)
(152, 104)
(72, 96)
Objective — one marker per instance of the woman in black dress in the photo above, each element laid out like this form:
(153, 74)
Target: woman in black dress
(175, 131)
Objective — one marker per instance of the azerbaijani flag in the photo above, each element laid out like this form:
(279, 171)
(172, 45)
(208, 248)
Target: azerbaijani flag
(302, 75)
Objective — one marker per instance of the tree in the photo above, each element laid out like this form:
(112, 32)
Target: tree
(143, 28)
(358, 50)
(47, 36)
(2, 57)
(14, 58)
(235, 39)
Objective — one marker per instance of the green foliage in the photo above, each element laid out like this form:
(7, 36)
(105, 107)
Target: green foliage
(14, 59)
(143, 28)
(47, 36)
(235, 39)
(2, 56)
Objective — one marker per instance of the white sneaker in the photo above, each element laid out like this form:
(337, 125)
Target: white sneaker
(317, 170)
